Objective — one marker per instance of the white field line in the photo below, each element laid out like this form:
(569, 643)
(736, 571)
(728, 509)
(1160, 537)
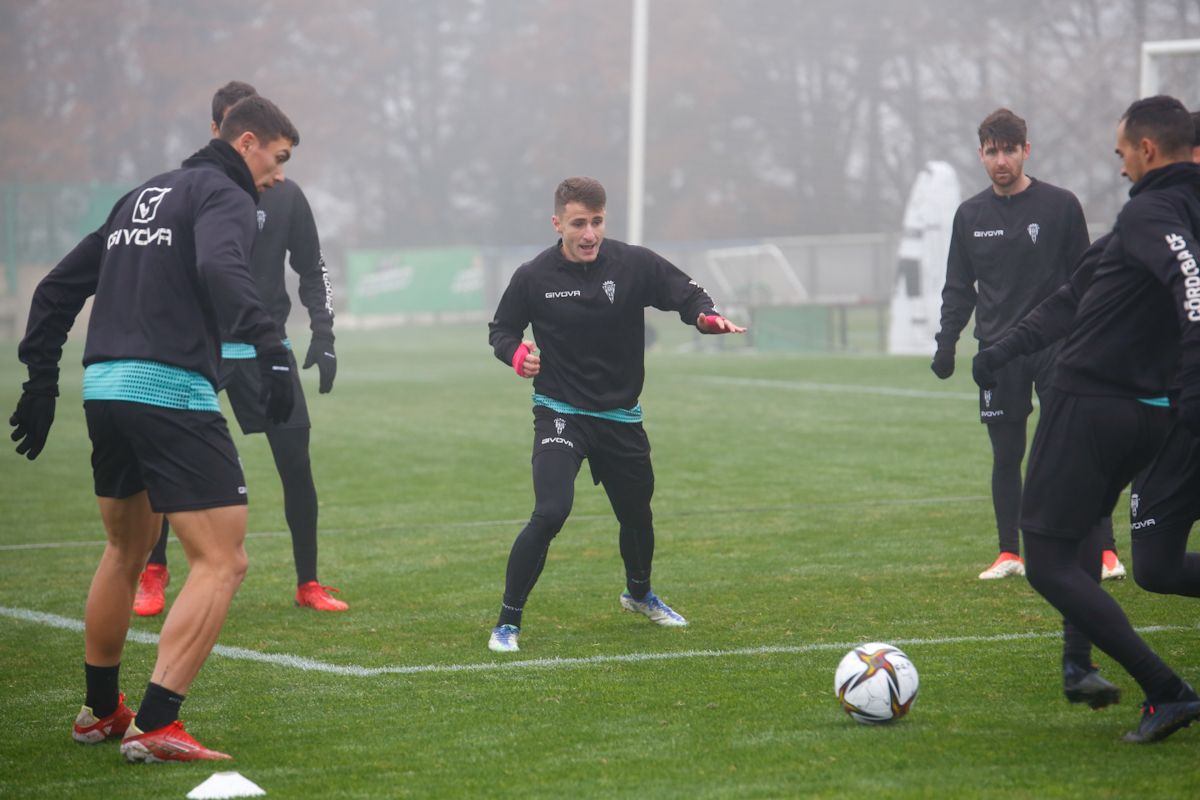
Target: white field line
(836, 388)
(98, 539)
(312, 665)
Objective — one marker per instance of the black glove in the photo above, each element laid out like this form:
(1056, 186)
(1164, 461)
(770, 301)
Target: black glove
(943, 362)
(983, 368)
(320, 352)
(275, 394)
(32, 420)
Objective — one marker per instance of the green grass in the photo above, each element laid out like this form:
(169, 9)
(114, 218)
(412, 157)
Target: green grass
(788, 514)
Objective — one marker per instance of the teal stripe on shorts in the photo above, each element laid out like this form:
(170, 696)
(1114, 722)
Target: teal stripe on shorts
(150, 383)
(1157, 402)
(615, 415)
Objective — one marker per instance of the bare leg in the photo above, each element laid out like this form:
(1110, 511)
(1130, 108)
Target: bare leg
(213, 541)
(132, 529)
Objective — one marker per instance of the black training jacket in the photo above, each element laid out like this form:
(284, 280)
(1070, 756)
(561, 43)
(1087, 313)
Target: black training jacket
(1051, 320)
(1007, 254)
(286, 225)
(589, 320)
(169, 271)
(1139, 318)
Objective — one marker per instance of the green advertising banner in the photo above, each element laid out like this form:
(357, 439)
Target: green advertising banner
(406, 281)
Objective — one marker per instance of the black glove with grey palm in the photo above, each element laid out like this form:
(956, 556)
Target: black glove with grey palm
(320, 352)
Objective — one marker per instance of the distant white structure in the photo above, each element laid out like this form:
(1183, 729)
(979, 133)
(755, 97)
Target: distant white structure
(1152, 51)
(921, 271)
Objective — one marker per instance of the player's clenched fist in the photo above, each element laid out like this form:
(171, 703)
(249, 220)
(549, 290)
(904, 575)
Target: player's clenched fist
(525, 362)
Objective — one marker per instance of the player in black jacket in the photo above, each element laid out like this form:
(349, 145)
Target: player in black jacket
(285, 224)
(585, 298)
(1011, 245)
(168, 270)
(1138, 321)
(1164, 502)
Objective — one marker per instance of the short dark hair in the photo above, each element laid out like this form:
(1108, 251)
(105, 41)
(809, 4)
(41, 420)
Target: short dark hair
(226, 96)
(261, 117)
(1002, 127)
(1196, 126)
(586, 191)
(1163, 120)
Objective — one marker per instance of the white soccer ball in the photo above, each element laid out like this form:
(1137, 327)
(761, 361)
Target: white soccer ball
(875, 683)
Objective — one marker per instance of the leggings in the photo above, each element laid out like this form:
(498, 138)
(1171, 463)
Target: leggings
(554, 474)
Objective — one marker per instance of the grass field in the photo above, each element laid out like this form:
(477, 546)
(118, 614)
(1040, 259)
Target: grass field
(804, 504)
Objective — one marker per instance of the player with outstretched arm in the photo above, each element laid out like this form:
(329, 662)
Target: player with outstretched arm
(585, 298)
(1136, 331)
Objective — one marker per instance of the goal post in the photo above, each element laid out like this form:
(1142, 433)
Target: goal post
(1154, 51)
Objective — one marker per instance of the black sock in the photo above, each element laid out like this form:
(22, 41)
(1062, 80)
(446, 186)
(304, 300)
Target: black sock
(160, 707)
(509, 616)
(159, 554)
(1172, 690)
(638, 587)
(289, 446)
(103, 694)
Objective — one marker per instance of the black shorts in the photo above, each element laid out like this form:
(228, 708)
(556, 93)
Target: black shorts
(1012, 397)
(241, 382)
(1166, 495)
(616, 451)
(184, 460)
(1085, 450)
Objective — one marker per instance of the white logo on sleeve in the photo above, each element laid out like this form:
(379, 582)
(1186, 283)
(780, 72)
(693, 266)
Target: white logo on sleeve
(1033, 231)
(1191, 275)
(559, 425)
(262, 218)
(610, 289)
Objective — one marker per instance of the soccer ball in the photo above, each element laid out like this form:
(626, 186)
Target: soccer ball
(875, 683)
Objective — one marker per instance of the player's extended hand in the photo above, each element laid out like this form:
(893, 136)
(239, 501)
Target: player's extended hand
(983, 368)
(715, 323)
(525, 362)
(943, 363)
(320, 352)
(275, 394)
(31, 422)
